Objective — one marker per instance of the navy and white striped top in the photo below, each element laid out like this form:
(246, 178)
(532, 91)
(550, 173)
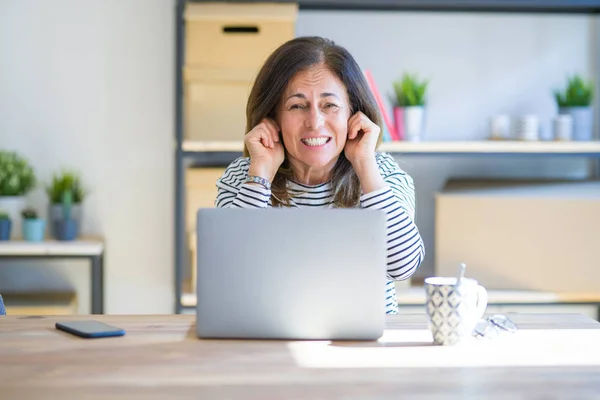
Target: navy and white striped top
(405, 246)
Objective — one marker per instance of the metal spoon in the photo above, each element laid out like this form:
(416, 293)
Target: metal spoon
(461, 273)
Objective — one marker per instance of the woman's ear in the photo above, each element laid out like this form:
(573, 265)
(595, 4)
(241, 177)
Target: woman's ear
(276, 116)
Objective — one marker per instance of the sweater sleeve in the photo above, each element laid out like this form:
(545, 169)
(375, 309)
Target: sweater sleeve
(405, 250)
(232, 191)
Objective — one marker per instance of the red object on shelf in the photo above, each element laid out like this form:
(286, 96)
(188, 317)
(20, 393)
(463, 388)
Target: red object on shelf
(378, 99)
(399, 122)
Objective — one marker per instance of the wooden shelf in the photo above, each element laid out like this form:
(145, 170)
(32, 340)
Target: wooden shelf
(493, 147)
(83, 247)
(197, 146)
(416, 296)
(188, 300)
(591, 148)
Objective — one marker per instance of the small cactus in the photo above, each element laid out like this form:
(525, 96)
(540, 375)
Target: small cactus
(29, 213)
(63, 181)
(67, 203)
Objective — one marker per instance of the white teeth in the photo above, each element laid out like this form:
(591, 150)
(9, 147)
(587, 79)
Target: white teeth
(315, 141)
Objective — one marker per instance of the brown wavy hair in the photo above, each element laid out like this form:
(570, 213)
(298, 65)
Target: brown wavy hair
(283, 64)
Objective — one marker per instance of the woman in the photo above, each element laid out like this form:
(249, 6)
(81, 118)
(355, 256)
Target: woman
(313, 127)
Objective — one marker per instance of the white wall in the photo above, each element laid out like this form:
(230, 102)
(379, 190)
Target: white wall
(479, 64)
(90, 85)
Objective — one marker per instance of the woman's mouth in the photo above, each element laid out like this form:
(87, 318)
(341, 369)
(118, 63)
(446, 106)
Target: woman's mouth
(316, 142)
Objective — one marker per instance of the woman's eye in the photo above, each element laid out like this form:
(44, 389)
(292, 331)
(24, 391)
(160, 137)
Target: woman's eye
(296, 106)
(331, 105)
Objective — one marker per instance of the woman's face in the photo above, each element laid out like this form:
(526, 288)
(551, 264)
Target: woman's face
(313, 117)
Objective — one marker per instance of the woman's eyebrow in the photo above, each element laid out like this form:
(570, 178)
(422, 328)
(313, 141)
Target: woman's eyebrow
(326, 94)
(302, 96)
(299, 95)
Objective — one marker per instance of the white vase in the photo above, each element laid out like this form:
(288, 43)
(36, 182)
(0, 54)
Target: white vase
(500, 127)
(583, 121)
(414, 119)
(563, 127)
(13, 205)
(527, 128)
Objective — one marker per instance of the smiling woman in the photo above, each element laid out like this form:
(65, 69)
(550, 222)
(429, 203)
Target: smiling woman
(312, 132)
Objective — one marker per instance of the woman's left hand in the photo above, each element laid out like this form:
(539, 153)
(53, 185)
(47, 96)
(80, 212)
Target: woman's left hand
(362, 139)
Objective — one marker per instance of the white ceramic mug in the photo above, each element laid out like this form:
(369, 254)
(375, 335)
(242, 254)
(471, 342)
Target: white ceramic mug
(563, 127)
(454, 310)
(500, 127)
(527, 128)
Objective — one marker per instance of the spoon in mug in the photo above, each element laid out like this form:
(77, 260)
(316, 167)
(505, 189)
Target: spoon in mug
(461, 273)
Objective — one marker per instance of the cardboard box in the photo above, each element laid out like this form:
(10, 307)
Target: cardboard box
(236, 35)
(215, 104)
(226, 45)
(201, 192)
(532, 235)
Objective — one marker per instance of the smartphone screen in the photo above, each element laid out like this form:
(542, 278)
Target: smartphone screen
(90, 329)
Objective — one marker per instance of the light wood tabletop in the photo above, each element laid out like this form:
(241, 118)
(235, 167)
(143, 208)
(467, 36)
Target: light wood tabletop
(551, 356)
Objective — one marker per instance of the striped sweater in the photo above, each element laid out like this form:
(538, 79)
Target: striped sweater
(405, 249)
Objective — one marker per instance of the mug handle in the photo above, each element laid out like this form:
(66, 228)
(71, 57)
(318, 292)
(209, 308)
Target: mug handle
(482, 301)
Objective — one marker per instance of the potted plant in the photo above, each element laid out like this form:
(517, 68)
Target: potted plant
(17, 178)
(409, 110)
(62, 182)
(576, 101)
(33, 226)
(66, 227)
(5, 226)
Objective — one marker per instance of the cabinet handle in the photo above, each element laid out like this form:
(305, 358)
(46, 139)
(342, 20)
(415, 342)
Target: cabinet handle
(240, 29)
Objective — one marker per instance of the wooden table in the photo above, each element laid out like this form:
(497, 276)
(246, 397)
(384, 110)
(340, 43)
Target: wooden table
(551, 356)
(88, 249)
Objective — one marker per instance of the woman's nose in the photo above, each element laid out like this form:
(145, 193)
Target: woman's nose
(314, 119)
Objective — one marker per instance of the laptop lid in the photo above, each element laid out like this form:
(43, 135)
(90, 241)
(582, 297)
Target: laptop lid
(291, 273)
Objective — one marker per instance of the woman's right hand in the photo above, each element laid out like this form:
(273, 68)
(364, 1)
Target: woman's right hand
(265, 148)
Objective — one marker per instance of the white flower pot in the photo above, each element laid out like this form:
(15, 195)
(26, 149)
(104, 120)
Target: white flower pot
(583, 121)
(13, 205)
(414, 121)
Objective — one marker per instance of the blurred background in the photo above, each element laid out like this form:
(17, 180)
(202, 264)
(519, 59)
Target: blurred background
(95, 96)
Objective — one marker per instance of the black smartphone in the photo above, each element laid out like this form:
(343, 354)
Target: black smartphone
(90, 329)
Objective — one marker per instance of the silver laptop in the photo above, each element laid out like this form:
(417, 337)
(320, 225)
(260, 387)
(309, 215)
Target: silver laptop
(291, 274)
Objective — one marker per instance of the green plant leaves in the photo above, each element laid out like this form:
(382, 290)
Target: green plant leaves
(410, 91)
(16, 175)
(64, 182)
(578, 93)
